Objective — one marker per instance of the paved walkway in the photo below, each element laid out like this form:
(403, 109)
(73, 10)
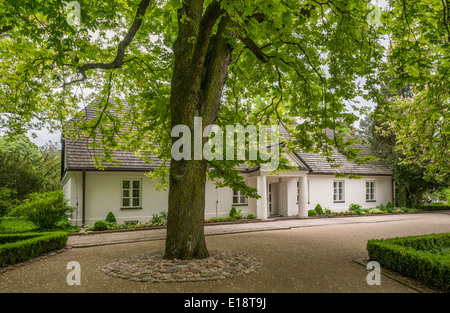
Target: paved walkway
(298, 256)
(129, 236)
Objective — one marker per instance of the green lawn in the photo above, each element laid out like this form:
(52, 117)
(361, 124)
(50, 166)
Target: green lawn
(15, 225)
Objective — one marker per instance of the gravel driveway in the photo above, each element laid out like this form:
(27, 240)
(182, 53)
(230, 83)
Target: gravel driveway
(298, 256)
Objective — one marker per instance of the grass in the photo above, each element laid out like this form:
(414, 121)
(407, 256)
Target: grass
(16, 225)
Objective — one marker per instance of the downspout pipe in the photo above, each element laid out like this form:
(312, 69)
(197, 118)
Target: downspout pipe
(83, 208)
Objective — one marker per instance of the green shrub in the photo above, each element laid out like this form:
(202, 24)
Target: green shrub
(355, 208)
(312, 213)
(21, 247)
(328, 211)
(413, 257)
(44, 209)
(163, 215)
(389, 205)
(110, 218)
(157, 220)
(318, 209)
(381, 207)
(100, 225)
(251, 217)
(235, 214)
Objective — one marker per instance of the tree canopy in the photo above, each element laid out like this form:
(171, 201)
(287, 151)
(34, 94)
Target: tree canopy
(418, 62)
(290, 61)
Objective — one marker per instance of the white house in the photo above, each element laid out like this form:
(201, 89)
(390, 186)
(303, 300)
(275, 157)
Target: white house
(126, 191)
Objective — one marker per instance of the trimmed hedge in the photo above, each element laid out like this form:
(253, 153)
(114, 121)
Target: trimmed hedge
(407, 256)
(21, 247)
(436, 207)
(312, 213)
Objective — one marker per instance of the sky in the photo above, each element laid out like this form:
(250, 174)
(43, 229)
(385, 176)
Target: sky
(44, 136)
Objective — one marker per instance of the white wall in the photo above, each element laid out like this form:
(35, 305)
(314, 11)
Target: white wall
(224, 199)
(72, 189)
(321, 191)
(103, 195)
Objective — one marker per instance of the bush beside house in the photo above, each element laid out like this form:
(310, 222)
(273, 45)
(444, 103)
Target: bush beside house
(43, 209)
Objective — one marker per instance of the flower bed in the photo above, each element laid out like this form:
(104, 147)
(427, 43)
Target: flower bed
(343, 213)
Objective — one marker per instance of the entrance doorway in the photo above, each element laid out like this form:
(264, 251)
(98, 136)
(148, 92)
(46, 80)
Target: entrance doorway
(272, 199)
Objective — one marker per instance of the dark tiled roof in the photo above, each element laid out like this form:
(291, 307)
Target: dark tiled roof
(319, 165)
(79, 156)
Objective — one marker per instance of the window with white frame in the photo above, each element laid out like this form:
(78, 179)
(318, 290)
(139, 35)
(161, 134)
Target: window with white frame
(370, 190)
(239, 197)
(131, 193)
(338, 191)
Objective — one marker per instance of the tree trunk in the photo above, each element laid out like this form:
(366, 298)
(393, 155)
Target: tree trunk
(199, 75)
(185, 236)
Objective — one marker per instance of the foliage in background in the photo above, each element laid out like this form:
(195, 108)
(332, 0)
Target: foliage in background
(25, 168)
(414, 104)
(411, 181)
(7, 200)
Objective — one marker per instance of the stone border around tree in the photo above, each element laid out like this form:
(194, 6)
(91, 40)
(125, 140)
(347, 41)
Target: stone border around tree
(153, 268)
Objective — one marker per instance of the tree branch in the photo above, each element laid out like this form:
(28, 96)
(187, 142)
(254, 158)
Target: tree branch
(118, 60)
(253, 47)
(4, 29)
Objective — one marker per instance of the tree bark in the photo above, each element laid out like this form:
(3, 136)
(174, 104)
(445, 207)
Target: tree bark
(200, 71)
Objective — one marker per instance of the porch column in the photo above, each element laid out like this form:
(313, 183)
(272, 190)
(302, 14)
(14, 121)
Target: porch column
(261, 203)
(302, 197)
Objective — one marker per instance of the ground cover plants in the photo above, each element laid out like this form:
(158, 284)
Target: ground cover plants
(110, 223)
(357, 209)
(161, 220)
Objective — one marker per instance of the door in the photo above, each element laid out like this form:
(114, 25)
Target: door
(272, 199)
(269, 200)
